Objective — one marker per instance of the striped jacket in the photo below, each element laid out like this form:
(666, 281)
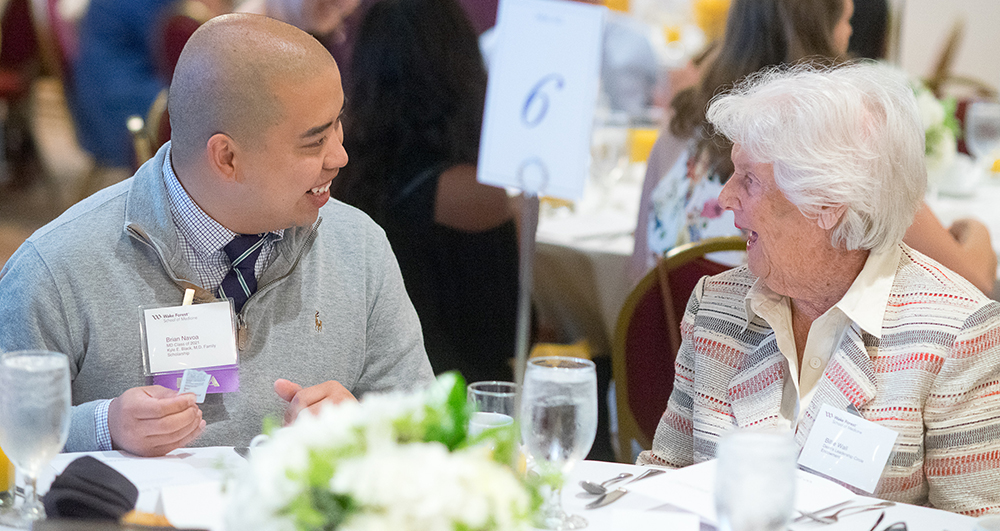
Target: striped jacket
(933, 377)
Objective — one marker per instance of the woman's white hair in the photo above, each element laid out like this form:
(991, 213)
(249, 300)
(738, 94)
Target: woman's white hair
(846, 136)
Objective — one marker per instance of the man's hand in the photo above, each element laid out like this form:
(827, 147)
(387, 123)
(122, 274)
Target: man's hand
(310, 398)
(152, 421)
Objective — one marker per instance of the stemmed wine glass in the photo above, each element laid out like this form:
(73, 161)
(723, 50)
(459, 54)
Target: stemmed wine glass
(34, 420)
(558, 424)
(982, 129)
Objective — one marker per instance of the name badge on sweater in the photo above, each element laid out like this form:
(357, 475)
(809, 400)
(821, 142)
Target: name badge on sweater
(201, 336)
(848, 448)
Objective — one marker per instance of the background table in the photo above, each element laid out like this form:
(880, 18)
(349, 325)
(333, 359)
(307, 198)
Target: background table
(983, 204)
(580, 259)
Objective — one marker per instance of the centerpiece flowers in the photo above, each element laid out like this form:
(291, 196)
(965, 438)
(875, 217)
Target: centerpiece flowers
(940, 128)
(389, 462)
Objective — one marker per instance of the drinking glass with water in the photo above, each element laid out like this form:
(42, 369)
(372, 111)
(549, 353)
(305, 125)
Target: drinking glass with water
(493, 405)
(34, 420)
(755, 481)
(982, 130)
(558, 424)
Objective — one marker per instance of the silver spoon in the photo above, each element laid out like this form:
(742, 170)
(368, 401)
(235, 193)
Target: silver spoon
(601, 488)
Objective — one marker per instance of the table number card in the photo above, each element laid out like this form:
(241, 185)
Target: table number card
(541, 96)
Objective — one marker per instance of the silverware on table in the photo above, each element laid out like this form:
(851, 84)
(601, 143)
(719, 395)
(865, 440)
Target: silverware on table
(601, 488)
(242, 451)
(879, 521)
(803, 514)
(647, 474)
(606, 498)
(846, 511)
(613, 495)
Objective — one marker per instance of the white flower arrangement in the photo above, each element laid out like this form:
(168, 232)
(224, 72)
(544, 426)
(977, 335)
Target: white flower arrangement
(940, 128)
(390, 462)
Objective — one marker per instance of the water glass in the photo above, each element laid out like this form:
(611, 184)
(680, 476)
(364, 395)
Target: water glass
(982, 129)
(755, 481)
(558, 424)
(608, 150)
(492, 404)
(34, 420)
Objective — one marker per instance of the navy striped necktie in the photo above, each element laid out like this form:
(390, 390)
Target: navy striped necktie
(241, 281)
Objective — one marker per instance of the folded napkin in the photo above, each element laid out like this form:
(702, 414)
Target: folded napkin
(89, 489)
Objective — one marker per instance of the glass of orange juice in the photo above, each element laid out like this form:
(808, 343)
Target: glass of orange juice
(6, 481)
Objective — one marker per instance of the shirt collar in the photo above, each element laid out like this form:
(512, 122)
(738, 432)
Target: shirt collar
(865, 301)
(205, 235)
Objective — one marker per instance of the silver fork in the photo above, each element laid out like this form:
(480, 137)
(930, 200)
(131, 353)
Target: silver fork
(846, 511)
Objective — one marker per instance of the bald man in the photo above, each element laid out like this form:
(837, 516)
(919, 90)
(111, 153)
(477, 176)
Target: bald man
(255, 109)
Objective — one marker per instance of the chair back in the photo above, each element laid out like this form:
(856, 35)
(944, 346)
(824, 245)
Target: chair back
(57, 38)
(648, 335)
(175, 27)
(151, 132)
(943, 82)
(18, 49)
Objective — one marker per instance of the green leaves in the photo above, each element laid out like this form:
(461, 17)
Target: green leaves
(447, 413)
(950, 121)
(317, 507)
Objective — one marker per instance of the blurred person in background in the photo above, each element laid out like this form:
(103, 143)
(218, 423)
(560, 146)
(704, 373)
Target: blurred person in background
(416, 96)
(871, 25)
(118, 70)
(482, 14)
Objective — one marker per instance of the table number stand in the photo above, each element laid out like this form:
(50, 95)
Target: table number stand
(533, 176)
(540, 99)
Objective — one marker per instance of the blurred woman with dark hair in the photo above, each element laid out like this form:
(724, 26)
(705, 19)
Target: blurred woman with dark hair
(412, 125)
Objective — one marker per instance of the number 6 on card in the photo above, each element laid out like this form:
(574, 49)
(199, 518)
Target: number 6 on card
(541, 96)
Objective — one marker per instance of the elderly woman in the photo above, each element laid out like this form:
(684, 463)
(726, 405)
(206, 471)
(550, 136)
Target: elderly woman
(832, 308)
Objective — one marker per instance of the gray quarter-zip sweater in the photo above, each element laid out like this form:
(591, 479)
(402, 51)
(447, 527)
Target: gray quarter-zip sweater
(330, 306)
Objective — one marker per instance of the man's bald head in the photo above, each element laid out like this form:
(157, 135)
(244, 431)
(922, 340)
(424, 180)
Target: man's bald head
(225, 78)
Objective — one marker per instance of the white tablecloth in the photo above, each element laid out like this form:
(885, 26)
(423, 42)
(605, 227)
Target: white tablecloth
(916, 518)
(185, 486)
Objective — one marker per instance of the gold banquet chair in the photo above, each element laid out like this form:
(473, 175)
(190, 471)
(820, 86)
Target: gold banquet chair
(943, 82)
(152, 132)
(648, 335)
